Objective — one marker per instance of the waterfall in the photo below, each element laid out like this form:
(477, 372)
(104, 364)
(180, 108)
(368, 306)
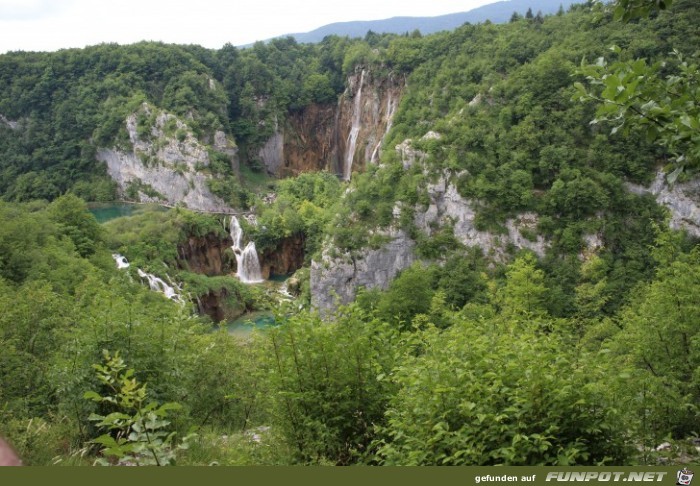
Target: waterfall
(390, 111)
(158, 285)
(236, 234)
(354, 130)
(121, 261)
(247, 263)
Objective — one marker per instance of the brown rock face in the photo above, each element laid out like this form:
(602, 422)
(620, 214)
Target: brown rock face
(218, 306)
(339, 138)
(205, 255)
(288, 257)
(310, 141)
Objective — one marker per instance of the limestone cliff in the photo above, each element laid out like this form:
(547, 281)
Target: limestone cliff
(334, 281)
(339, 138)
(165, 162)
(682, 200)
(447, 206)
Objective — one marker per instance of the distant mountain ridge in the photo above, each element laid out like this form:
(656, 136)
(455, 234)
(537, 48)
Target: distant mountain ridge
(498, 12)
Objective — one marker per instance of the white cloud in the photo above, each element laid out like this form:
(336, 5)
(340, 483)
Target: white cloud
(49, 25)
(28, 10)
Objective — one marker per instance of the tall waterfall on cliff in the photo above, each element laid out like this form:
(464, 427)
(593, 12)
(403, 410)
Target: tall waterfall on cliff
(354, 131)
(391, 105)
(248, 265)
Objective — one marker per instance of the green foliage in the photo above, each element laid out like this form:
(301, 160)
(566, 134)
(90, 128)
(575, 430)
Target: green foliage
(524, 292)
(152, 235)
(660, 100)
(584, 357)
(72, 214)
(489, 392)
(630, 9)
(659, 339)
(304, 206)
(137, 432)
(408, 295)
(327, 383)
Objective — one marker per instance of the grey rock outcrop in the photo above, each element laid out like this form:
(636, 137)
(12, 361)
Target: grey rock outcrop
(411, 156)
(408, 155)
(447, 206)
(12, 124)
(226, 146)
(165, 167)
(682, 201)
(335, 281)
(272, 153)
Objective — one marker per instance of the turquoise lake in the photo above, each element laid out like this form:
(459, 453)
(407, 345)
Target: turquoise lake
(244, 325)
(109, 211)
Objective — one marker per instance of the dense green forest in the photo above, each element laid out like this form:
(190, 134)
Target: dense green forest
(578, 357)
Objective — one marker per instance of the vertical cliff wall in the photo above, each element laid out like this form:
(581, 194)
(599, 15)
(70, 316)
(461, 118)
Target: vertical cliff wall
(165, 163)
(339, 138)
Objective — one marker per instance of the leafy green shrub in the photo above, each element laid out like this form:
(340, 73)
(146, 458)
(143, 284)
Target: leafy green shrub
(486, 393)
(136, 432)
(325, 384)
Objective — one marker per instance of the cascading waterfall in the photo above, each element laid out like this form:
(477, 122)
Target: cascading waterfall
(121, 261)
(390, 110)
(248, 265)
(354, 130)
(156, 284)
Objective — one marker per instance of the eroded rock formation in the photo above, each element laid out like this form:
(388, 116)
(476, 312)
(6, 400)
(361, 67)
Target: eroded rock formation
(164, 163)
(339, 138)
(682, 200)
(286, 258)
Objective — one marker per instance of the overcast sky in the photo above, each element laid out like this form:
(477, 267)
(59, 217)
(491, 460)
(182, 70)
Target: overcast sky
(49, 25)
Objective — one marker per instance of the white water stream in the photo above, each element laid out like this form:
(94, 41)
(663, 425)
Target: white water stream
(248, 265)
(354, 130)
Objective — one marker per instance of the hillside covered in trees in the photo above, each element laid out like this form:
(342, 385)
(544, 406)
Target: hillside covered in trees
(503, 269)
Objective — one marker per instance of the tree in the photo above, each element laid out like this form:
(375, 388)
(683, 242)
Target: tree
(627, 10)
(71, 213)
(525, 291)
(660, 100)
(137, 432)
(482, 393)
(635, 95)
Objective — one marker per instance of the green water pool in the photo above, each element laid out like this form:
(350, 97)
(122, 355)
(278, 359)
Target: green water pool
(244, 325)
(107, 212)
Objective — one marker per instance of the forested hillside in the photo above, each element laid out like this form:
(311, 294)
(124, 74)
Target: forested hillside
(508, 276)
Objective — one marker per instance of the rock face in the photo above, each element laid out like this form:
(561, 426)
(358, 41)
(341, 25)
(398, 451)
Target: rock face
(336, 281)
(448, 206)
(286, 258)
(682, 201)
(12, 124)
(164, 163)
(339, 138)
(206, 255)
(213, 304)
